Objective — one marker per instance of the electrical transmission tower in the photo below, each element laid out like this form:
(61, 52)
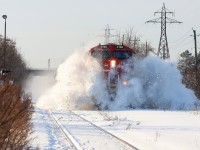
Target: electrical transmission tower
(108, 34)
(163, 49)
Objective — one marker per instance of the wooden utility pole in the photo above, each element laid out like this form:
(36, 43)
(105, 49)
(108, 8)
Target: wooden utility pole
(196, 61)
(49, 61)
(135, 40)
(147, 48)
(195, 47)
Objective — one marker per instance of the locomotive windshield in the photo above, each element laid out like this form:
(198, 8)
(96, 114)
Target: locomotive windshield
(106, 54)
(101, 54)
(97, 54)
(122, 55)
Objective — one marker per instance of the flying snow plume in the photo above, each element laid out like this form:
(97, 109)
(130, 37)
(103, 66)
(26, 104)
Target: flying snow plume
(152, 84)
(155, 84)
(79, 85)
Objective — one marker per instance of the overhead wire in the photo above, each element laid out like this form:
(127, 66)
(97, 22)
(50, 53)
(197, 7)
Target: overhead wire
(140, 27)
(188, 9)
(181, 45)
(183, 36)
(186, 5)
(182, 41)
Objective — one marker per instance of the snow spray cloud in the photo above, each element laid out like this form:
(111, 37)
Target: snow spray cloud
(79, 85)
(37, 85)
(155, 84)
(152, 84)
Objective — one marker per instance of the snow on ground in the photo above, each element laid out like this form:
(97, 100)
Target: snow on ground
(45, 135)
(145, 129)
(151, 129)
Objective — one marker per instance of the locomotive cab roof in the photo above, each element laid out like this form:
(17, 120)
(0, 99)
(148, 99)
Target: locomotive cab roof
(111, 47)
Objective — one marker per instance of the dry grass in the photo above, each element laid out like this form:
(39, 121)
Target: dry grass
(110, 117)
(15, 116)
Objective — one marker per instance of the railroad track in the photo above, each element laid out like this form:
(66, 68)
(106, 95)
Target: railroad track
(70, 140)
(112, 135)
(75, 141)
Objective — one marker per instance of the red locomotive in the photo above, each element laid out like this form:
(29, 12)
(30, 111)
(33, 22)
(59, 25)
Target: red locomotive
(113, 59)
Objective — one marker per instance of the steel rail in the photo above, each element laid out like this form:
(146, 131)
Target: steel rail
(71, 140)
(112, 135)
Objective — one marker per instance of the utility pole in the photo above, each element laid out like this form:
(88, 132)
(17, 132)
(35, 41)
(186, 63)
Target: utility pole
(163, 49)
(146, 48)
(196, 59)
(135, 41)
(4, 48)
(49, 61)
(123, 39)
(4, 71)
(195, 47)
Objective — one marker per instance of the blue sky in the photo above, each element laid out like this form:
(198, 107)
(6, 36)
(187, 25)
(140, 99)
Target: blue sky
(56, 28)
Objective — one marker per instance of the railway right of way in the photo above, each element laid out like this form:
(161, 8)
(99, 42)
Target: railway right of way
(83, 134)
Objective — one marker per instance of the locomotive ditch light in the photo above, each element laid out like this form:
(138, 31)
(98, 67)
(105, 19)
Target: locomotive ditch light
(113, 63)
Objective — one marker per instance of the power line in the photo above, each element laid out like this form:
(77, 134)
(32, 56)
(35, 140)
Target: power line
(189, 9)
(180, 42)
(186, 5)
(163, 50)
(180, 46)
(180, 38)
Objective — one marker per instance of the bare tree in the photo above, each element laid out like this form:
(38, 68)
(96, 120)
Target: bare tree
(131, 39)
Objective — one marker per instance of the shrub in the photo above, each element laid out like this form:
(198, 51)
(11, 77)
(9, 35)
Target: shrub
(15, 117)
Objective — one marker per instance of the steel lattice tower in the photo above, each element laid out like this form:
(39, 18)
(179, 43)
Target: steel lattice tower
(163, 49)
(107, 34)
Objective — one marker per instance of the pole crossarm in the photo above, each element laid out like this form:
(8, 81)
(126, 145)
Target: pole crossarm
(163, 49)
(169, 20)
(157, 20)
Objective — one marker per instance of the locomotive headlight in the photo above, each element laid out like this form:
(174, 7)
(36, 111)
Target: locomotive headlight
(113, 63)
(124, 83)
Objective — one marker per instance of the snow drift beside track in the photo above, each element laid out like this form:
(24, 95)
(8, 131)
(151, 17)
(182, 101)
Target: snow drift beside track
(153, 83)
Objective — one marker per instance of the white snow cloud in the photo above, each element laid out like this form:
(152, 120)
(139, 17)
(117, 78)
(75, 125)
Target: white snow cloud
(153, 83)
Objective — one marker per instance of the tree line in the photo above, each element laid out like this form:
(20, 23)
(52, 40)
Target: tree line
(16, 107)
(191, 76)
(13, 60)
